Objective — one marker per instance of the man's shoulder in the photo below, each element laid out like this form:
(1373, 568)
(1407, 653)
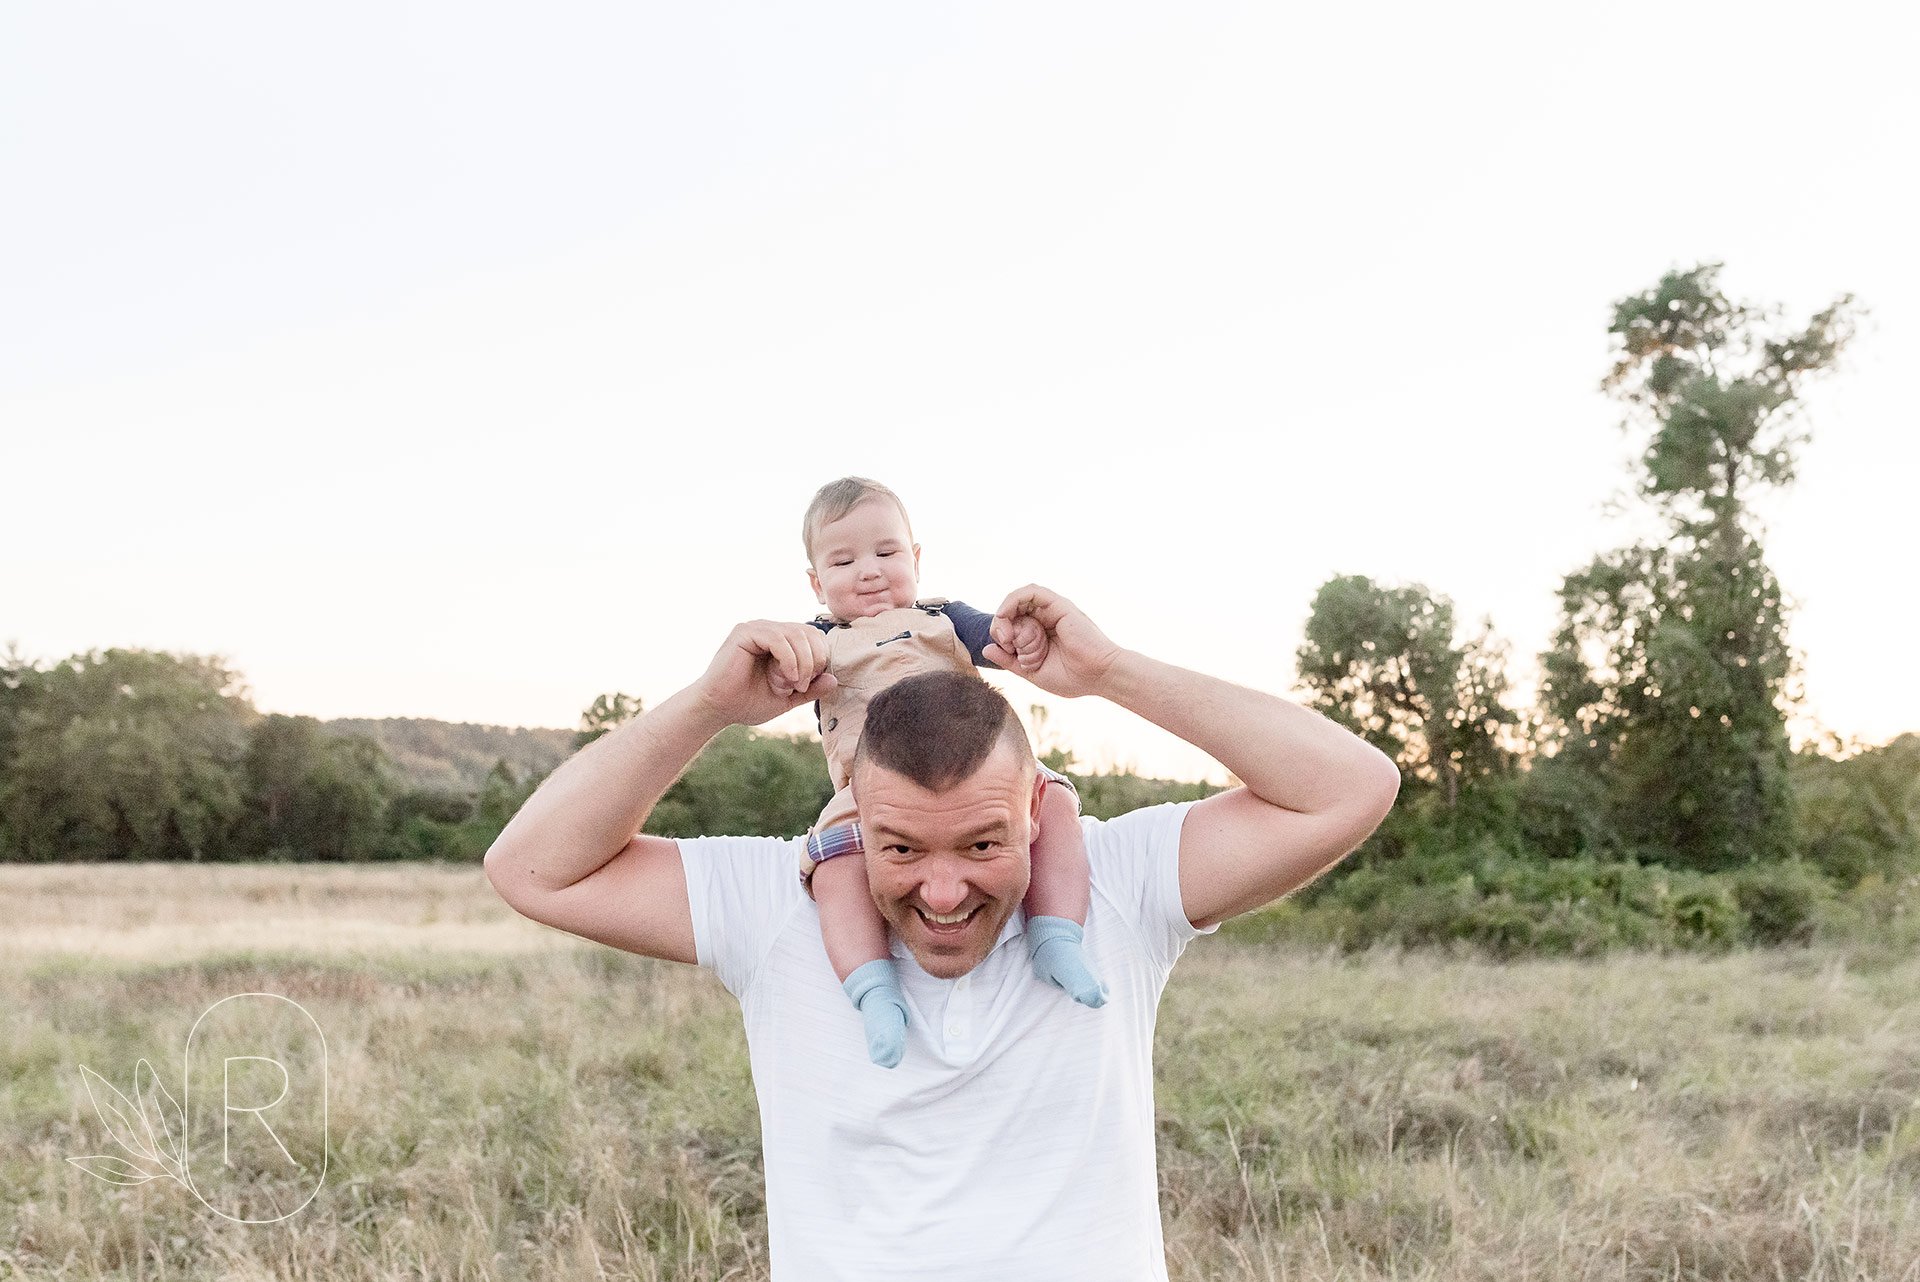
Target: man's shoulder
(741, 892)
(747, 853)
(1139, 821)
(767, 865)
(1148, 832)
(1133, 865)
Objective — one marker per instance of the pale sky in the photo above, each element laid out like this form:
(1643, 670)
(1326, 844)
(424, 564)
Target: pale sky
(469, 360)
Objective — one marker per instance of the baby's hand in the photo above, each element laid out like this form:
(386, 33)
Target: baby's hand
(1029, 643)
(1019, 644)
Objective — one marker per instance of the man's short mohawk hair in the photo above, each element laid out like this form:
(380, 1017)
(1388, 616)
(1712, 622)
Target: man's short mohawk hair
(936, 729)
(837, 498)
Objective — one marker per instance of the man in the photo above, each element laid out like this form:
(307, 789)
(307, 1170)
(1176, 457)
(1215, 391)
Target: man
(1016, 1140)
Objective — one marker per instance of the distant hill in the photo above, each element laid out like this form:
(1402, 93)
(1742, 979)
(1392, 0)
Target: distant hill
(456, 755)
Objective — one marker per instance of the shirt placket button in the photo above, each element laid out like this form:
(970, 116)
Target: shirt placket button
(959, 1008)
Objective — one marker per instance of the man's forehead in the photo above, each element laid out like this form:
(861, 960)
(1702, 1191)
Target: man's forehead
(889, 800)
(989, 815)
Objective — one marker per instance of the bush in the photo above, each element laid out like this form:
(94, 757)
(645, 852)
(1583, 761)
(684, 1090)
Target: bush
(1781, 902)
(1706, 915)
(1507, 905)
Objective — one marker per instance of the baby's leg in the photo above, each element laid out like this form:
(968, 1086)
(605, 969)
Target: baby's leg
(1059, 885)
(855, 935)
(850, 923)
(856, 939)
(1056, 901)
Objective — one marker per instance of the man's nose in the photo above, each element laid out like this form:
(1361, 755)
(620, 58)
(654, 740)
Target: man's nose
(943, 889)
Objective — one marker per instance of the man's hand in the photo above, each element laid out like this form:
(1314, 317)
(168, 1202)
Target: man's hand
(570, 858)
(1310, 790)
(1019, 645)
(1073, 656)
(764, 669)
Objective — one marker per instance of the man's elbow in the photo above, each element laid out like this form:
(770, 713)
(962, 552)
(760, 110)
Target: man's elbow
(509, 875)
(1369, 783)
(1377, 787)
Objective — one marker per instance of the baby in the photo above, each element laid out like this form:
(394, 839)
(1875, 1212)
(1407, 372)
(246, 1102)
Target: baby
(865, 568)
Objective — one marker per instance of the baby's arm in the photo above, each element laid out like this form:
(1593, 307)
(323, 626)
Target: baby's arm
(1017, 644)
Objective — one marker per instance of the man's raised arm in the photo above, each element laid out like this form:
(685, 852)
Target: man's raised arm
(569, 859)
(1313, 791)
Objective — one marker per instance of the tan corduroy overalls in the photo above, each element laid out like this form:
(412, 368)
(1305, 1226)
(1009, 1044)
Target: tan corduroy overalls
(866, 656)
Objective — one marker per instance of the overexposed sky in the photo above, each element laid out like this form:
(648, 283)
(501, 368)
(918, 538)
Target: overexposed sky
(468, 360)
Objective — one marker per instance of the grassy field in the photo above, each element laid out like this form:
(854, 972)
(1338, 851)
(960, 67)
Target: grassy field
(506, 1103)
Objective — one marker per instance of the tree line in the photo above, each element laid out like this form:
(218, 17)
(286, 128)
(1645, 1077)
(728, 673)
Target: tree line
(1650, 795)
(142, 755)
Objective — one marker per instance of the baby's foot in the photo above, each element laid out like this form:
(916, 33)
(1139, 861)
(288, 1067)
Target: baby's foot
(875, 992)
(1054, 943)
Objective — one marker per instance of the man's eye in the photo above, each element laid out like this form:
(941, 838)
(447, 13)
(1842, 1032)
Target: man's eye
(983, 845)
(895, 850)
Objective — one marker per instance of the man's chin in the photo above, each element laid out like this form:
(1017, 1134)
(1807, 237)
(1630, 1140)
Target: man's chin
(945, 965)
(949, 957)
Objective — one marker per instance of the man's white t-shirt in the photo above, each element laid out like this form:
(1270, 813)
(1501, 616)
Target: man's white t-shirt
(1015, 1140)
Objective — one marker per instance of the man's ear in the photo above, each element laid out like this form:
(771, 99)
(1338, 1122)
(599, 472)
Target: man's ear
(1039, 794)
(814, 580)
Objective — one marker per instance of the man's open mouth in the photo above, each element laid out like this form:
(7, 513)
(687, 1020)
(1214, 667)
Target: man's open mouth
(947, 923)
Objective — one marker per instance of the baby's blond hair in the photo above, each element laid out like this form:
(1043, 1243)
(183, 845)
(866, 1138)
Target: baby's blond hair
(837, 498)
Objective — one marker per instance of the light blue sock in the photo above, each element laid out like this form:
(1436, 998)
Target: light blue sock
(875, 992)
(1054, 943)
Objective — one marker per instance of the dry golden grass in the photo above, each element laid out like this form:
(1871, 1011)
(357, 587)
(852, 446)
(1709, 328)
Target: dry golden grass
(506, 1103)
(175, 911)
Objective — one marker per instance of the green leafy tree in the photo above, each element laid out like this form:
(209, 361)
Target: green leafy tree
(1859, 814)
(1716, 386)
(19, 683)
(500, 796)
(427, 823)
(746, 784)
(1666, 681)
(127, 754)
(1108, 796)
(314, 795)
(607, 712)
(1384, 662)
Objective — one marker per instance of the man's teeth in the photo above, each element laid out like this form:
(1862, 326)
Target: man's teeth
(946, 919)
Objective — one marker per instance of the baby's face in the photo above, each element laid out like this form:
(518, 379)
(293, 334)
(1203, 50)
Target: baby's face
(866, 562)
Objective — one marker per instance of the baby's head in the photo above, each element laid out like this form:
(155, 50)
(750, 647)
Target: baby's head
(861, 556)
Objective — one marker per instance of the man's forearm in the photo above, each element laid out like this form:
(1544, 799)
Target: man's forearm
(1285, 755)
(589, 808)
